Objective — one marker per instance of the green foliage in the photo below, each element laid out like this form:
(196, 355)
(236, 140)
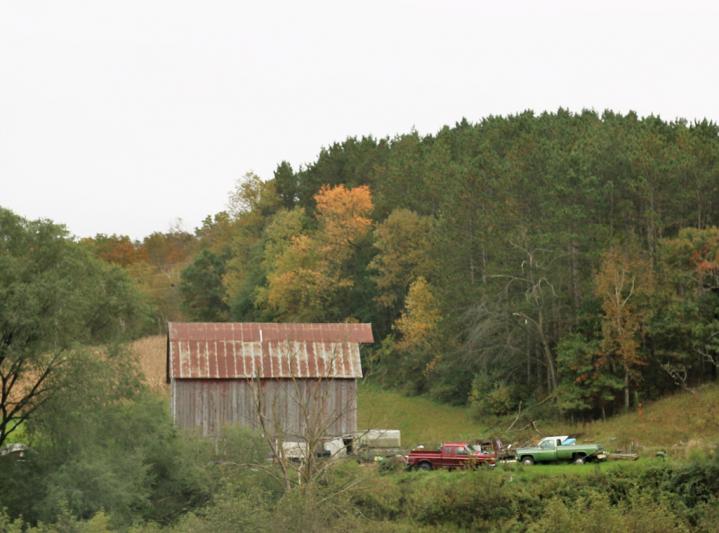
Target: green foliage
(54, 295)
(594, 513)
(91, 443)
(286, 183)
(490, 397)
(9, 525)
(248, 511)
(584, 385)
(403, 242)
(466, 502)
(515, 223)
(103, 446)
(644, 496)
(202, 290)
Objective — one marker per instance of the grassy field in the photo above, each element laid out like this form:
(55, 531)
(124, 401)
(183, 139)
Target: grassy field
(680, 423)
(421, 420)
(519, 472)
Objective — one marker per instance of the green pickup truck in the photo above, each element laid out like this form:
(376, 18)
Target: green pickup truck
(560, 449)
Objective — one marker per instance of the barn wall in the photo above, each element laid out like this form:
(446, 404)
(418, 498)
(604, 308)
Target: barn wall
(288, 406)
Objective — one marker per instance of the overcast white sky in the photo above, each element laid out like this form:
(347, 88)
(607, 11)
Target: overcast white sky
(119, 117)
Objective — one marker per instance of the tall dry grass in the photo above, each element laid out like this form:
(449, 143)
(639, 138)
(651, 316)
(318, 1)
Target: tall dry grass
(152, 355)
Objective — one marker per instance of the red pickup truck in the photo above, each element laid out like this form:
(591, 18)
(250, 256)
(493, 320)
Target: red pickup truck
(450, 455)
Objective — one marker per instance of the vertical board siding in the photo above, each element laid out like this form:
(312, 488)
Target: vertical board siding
(288, 406)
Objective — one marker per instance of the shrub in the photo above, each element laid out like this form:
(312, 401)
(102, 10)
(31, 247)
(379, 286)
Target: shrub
(490, 396)
(595, 513)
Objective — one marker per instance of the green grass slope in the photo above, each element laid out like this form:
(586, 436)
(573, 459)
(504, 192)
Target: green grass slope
(421, 420)
(679, 423)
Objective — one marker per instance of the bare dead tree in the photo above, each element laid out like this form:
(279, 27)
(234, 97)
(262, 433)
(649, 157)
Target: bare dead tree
(309, 398)
(707, 354)
(679, 374)
(538, 291)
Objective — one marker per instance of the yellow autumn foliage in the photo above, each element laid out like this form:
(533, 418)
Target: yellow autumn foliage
(307, 276)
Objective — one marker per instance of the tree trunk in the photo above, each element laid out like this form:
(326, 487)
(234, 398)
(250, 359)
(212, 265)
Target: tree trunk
(529, 358)
(484, 265)
(551, 375)
(575, 280)
(472, 266)
(626, 388)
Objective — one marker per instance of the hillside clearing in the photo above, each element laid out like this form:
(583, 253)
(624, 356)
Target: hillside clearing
(681, 422)
(684, 421)
(678, 424)
(420, 419)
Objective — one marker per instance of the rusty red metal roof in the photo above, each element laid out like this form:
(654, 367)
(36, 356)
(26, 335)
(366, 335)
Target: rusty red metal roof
(227, 350)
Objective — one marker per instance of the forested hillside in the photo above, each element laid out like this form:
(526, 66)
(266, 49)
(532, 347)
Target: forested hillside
(569, 259)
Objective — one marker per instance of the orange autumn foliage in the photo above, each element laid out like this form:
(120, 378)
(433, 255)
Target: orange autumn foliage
(306, 278)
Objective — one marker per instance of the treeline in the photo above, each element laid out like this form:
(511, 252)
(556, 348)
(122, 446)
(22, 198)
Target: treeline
(563, 257)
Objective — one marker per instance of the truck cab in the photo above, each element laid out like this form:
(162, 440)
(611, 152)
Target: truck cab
(560, 448)
(450, 455)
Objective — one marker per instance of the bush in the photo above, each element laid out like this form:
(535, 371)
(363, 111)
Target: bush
(10, 525)
(490, 396)
(229, 513)
(104, 443)
(462, 499)
(595, 513)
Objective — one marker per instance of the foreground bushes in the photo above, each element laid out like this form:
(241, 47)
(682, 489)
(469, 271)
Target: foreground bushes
(105, 457)
(352, 497)
(649, 498)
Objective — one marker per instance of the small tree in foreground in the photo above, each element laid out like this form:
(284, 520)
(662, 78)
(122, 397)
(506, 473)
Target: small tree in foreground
(303, 413)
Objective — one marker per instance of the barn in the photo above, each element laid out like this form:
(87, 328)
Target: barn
(283, 379)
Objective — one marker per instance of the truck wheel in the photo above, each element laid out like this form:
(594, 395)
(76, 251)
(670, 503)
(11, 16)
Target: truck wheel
(528, 460)
(424, 466)
(580, 460)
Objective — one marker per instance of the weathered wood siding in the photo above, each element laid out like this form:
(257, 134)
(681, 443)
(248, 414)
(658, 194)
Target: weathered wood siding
(288, 406)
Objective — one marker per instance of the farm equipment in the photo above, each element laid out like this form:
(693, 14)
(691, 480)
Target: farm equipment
(494, 446)
(366, 445)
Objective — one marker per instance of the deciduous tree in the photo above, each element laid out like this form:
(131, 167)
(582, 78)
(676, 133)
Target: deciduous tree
(624, 282)
(404, 244)
(53, 295)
